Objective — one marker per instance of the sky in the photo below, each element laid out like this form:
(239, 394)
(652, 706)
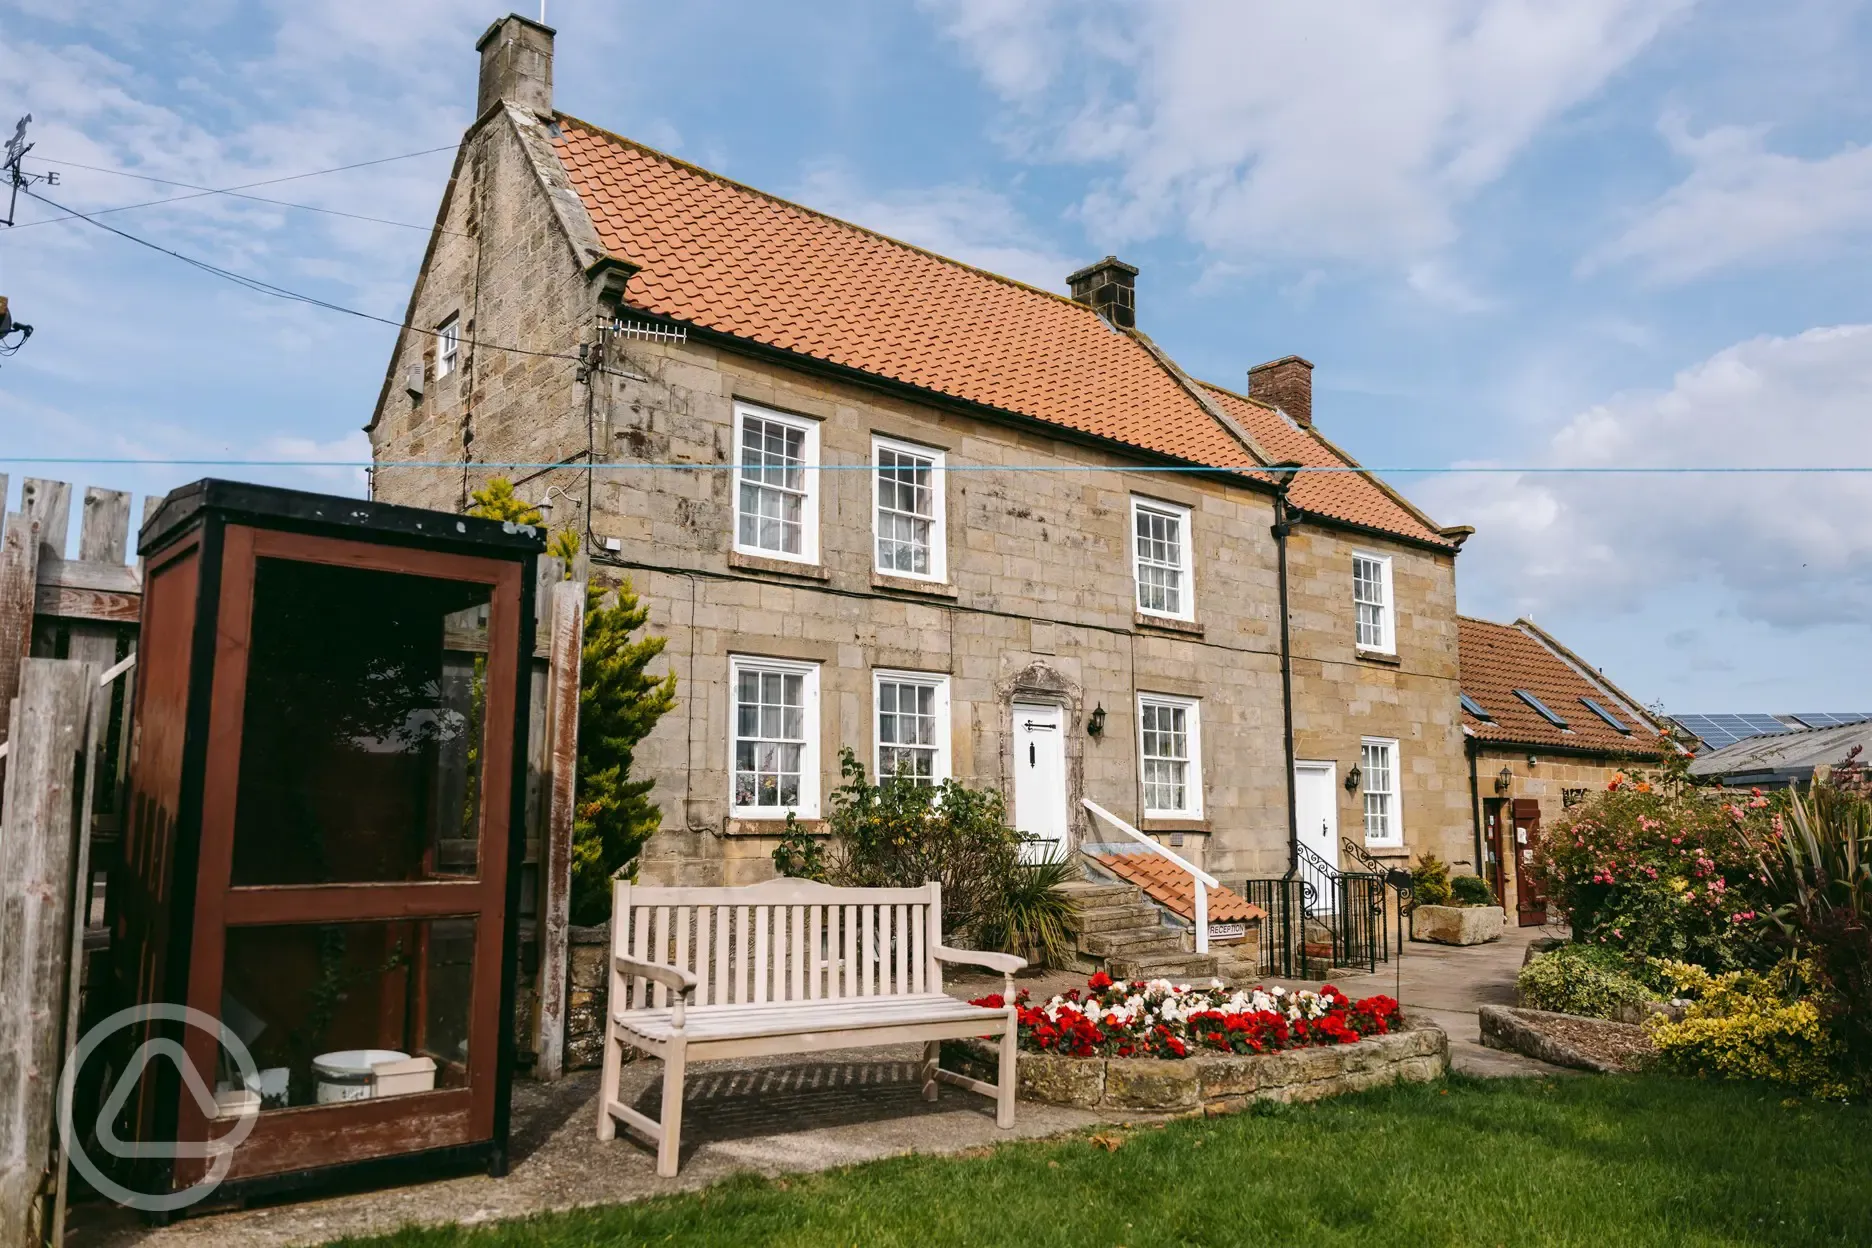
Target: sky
(1510, 234)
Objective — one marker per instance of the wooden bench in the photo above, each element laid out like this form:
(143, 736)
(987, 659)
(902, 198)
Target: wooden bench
(789, 966)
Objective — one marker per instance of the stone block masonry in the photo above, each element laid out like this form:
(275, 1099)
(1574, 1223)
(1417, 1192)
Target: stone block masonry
(1218, 1083)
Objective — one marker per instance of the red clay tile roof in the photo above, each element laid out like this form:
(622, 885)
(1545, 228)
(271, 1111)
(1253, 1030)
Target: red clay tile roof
(721, 255)
(1494, 660)
(1355, 497)
(1170, 886)
(726, 257)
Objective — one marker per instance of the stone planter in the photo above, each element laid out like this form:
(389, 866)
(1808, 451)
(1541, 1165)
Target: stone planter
(1216, 1083)
(1458, 925)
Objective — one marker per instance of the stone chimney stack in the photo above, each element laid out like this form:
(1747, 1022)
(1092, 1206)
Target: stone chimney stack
(1109, 288)
(1287, 383)
(516, 65)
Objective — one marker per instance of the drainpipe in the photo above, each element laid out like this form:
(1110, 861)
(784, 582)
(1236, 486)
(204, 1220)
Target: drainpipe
(1475, 806)
(1286, 515)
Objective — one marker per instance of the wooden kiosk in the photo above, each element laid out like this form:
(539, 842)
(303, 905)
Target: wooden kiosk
(326, 783)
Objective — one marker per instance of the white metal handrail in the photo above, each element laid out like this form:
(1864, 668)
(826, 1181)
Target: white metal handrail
(1202, 880)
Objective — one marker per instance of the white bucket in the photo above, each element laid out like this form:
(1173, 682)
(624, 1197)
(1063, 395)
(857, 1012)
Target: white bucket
(346, 1074)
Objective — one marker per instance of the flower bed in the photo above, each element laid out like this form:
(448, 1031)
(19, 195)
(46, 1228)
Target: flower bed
(1170, 1048)
(1156, 1018)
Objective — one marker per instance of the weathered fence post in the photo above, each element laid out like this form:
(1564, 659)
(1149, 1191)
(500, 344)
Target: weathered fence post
(38, 841)
(564, 651)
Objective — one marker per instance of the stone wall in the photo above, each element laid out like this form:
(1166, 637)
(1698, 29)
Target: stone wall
(589, 985)
(1218, 1083)
(502, 263)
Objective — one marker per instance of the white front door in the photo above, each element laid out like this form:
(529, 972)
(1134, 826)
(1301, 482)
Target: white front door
(1316, 808)
(1040, 777)
(1316, 818)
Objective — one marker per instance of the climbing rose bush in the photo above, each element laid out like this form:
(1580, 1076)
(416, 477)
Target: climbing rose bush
(1657, 871)
(1156, 1018)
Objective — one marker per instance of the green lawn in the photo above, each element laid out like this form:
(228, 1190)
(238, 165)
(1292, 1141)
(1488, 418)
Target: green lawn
(1590, 1161)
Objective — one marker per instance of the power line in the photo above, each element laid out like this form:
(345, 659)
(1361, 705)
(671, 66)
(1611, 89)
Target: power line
(280, 292)
(632, 466)
(233, 191)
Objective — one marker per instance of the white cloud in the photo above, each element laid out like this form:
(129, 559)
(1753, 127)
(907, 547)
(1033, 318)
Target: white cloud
(973, 224)
(1789, 550)
(1744, 204)
(1350, 131)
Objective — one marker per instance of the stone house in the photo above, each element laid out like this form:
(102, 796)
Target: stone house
(1543, 730)
(879, 499)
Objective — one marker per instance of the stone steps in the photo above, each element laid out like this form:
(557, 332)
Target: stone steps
(1116, 918)
(1123, 933)
(1193, 967)
(1132, 943)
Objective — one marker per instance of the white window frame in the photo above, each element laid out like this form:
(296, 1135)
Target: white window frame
(808, 805)
(1186, 567)
(1394, 807)
(448, 346)
(938, 518)
(809, 508)
(939, 766)
(1193, 778)
(1387, 642)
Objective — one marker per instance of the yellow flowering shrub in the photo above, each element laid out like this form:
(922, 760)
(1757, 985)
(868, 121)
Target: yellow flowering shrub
(1741, 1025)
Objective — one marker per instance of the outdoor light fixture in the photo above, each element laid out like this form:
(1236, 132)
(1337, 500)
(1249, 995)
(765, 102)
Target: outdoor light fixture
(1505, 779)
(1352, 779)
(545, 504)
(1532, 762)
(1095, 722)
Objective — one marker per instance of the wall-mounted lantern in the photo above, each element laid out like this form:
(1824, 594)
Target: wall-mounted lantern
(1095, 722)
(1353, 779)
(1504, 779)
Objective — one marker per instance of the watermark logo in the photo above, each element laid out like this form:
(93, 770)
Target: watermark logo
(219, 1152)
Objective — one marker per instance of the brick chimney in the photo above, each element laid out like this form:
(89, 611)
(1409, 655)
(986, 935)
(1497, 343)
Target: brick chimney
(516, 65)
(1287, 383)
(1109, 288)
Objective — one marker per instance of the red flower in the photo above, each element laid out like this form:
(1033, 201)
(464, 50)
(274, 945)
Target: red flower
(1099, 982)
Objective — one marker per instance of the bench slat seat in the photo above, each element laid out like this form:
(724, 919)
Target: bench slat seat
(789, 966)
(737, 1022)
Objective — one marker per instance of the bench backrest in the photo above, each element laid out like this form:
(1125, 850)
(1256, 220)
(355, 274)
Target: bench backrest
(784, 940)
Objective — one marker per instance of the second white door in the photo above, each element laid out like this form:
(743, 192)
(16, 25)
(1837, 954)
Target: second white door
(1316, 808)
(1040, 777)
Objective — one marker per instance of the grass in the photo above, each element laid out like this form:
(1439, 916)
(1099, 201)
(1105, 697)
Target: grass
(1640, 1160)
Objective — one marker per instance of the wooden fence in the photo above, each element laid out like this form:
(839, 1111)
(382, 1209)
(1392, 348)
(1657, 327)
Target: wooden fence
(85, 609)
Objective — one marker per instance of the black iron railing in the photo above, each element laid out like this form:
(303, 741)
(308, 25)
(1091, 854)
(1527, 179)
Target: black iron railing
(1283, 954)
(1394, 878)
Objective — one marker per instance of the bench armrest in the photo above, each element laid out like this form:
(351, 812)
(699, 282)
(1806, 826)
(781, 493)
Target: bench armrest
(661, 972)
(1006, 963)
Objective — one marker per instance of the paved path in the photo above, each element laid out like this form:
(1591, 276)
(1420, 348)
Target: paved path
(1448, 983)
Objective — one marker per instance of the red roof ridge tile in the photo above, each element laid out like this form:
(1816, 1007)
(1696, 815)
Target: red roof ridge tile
(783, 202)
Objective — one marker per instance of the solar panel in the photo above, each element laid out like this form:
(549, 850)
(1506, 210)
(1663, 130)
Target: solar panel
(1831, 719)
(1474, 708)
(1608, 716)
(1717, 731)
(1540, 706)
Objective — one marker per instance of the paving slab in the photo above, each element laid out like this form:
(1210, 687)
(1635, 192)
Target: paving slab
(771, 1116)
(1450, 983)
